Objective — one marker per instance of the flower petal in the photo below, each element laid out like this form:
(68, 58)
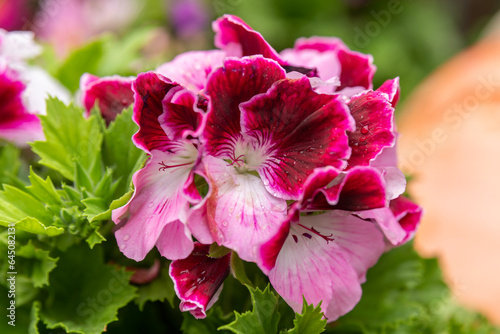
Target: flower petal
(391, 88)
(198, 279)
(175, 241)
(324, 259)
(191, 69)
(238, 39)
(374, 117)
(181, 118)
(408, 215)
(361, 188)
(236, 82)
(356, 69)
(158, 200)
(149, 91)
(318, 53)
(113, 94)
(301, 130)
(16, 123)
(398, 221)
(241, 213)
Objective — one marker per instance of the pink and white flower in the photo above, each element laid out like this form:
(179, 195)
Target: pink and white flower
(287, 159)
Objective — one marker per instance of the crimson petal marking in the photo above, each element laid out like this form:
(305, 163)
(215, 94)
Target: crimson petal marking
(149, 91)
(16, 123)
(238, 39)
(180, 119)
(374, 117)
(158, 200)
(301, 129)
(113, 94)
(269, 251)
(309, 266)
(241, 213)
(191, 69)
(198, 279)
(361, 188)
(228, 86)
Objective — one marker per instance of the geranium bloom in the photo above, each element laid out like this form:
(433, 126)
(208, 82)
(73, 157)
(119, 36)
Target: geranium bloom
(275, 156)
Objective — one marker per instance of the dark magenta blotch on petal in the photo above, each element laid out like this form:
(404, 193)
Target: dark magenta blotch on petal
(198, 278)
(270, 250)
(149, 91)
(112, 94)
(361, 188)
(408, 215)
(238, 39)
(236, 82)
(374, 116)
(180, 119)
(302, 130)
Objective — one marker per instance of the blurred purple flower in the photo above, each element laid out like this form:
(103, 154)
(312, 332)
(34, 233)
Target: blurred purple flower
(188, 17)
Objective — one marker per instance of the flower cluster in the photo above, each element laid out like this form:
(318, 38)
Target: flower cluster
(287, 159)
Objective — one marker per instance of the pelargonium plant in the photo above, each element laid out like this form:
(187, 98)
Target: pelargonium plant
(286, 160)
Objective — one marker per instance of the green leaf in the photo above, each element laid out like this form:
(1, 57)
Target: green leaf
(97, 210)
(44, 190)
(23, 316)
(16, 204)
(119, 152)
(263, 318)
(211, 324)
(238, 270)
(95, 238)
(9, 164)
(85, 294)
(69, 138)
(37, 264)
(34, 317)
(26, 212)
(131, 51)
(84, 59)
(310, 321)
(161, 289)
(33, 225)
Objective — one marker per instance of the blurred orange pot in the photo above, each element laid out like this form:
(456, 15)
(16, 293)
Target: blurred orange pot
(450, 143)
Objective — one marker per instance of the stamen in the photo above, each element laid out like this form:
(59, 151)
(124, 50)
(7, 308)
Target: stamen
(308, 236)
(238, 161)
(164, 166)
